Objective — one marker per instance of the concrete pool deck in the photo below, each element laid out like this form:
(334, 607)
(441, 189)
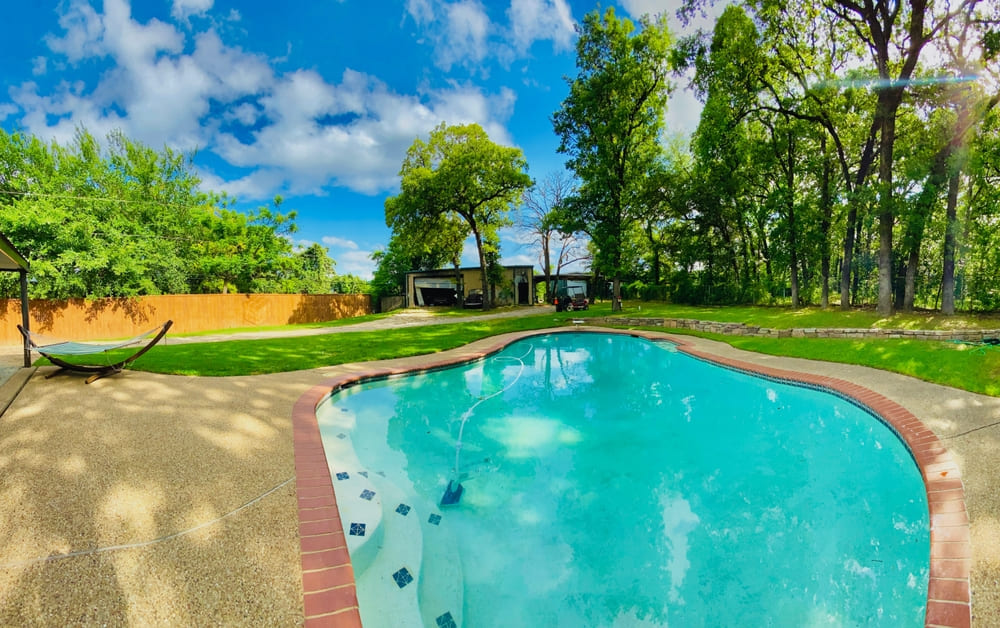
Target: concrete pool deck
(166, 500)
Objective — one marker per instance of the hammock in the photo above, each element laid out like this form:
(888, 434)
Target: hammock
(68, 348)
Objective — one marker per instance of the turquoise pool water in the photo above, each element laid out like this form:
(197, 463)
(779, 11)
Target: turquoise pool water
(612, 481)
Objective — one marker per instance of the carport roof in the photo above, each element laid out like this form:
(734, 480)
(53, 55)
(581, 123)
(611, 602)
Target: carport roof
(450, 272)
(10, 258)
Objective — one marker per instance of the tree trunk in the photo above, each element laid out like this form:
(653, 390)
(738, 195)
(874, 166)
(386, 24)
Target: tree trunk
(951, 227)
(916, 223)
(826, 211)
(766, 252)
(547, 268)
(848, 260)
(792, 240)
(487, 301)
(655, 246)
(910, 277)
(748, 261)
(886, 213)
(616, 294)
(858, 243)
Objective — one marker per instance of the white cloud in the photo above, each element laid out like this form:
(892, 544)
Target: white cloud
(354, 133)
(704, 19)
(296, 132)
(470, 255)
(152, 91)
(683, 110)
(343, 243)
(183, 9)
(260, 184)
(84, 28)
(463, 33)
(39, 65)
(518, 260)
(459, 30)
(467, 30)
(68, 107)
(683, 113)
(421, 11)
(638, 8)
(520, 237)
(134, 44)
(246, 114)
(358, 263)
(538, 20)
(232, 72)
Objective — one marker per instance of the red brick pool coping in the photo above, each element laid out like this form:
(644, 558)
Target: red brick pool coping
(329, 594)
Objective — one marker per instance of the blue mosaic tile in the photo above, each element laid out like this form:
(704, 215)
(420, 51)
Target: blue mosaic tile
(357, 529)
(446, 621)
(342, 475)
(402, 577)
(341, 436)
(403, 509)
(366, 494)
(364, 473)
(434, 519)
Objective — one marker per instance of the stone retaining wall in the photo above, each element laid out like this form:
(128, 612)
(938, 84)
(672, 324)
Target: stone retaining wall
(742, 329)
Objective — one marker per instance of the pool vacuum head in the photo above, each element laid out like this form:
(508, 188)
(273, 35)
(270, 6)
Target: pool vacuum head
(451, 495)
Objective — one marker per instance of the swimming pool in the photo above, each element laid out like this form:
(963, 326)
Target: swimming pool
(613, 481)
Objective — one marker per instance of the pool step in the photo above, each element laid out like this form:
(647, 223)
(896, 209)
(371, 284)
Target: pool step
(441, 584)
(393, 538)
(361, 515)
(358, 501)
(389, 587)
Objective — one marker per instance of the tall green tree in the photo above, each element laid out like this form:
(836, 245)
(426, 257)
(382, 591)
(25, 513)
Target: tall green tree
(314, 270)
(897, 32)
(460, 172)
(610, 128)
(122, 219)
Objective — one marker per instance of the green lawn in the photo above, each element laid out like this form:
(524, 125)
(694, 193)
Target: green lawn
(970, 367)
(975, 368)
(277, 355)
(337, 323)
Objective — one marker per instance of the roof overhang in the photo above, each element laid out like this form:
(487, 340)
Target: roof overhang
(10, 258)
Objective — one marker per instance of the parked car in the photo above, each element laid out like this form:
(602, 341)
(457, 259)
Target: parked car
(475, 299)
(571, 302)
(579, 301)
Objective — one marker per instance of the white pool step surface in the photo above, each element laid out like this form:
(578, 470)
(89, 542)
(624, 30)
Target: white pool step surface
(406, 566)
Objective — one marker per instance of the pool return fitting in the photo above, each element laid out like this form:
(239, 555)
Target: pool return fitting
(453, 492)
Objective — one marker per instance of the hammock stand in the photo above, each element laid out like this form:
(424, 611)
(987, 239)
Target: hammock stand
(50, 351)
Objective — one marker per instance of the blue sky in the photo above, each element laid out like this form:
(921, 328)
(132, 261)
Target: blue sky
(316, 101)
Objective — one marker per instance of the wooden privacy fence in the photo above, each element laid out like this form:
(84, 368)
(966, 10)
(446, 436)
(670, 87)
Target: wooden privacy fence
(83, 319)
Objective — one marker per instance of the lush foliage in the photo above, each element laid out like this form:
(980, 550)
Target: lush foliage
(843, 149)
(456, 183)
(126, 220)
(609, 126)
